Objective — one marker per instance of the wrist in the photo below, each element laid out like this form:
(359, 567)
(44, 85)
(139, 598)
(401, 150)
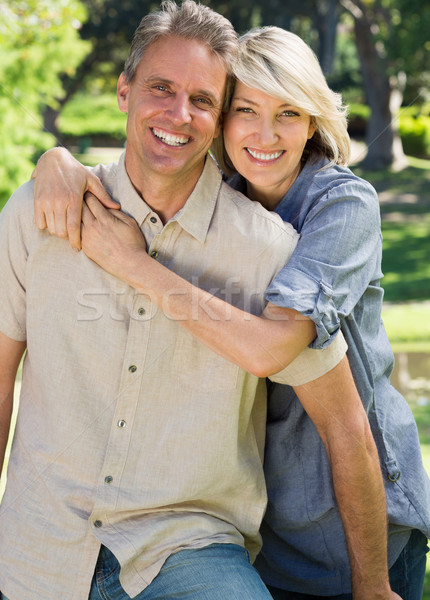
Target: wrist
(367, 591)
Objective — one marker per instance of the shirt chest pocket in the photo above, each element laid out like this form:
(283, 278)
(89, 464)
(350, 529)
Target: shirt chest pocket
(196, 366)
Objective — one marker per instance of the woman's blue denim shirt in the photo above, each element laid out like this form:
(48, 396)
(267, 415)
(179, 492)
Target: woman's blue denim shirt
(334, 277)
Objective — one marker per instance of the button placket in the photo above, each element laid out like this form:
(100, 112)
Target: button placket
(127, 400)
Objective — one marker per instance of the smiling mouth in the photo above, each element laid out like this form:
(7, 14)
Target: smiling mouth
(169, 139)
(263, 156)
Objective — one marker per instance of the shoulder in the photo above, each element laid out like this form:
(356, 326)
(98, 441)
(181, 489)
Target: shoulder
(19, 208)
(108, 173)
(336, 182)
(258, 221)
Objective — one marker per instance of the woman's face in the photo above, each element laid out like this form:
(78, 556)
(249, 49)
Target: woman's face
(265, 138)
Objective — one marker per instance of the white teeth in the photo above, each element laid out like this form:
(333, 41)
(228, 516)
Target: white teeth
(170, 140)
(261, 156)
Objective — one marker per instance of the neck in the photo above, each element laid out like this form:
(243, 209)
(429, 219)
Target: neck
(270, 196)
(269, 200)
(164, 194)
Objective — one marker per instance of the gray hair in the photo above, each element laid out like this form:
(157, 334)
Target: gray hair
(280, 64)
(191, 21)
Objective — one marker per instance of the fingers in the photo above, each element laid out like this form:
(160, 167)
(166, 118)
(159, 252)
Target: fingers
(73, 224)
(40, 220)
(96, 208)
(88, 217)
(95, 187)
(101, 213)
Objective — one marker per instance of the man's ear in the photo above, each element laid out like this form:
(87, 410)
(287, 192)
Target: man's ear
(122, 91)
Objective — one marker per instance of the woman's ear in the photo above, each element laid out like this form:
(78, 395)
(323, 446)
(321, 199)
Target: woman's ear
(312, 128)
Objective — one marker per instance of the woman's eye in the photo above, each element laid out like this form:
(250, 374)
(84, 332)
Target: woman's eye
(244, 109)
(290, 113)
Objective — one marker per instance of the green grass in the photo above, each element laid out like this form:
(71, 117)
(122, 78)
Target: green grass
(408, 326)
(405, 213)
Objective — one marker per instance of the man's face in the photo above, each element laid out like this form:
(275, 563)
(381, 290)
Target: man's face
(173, 104)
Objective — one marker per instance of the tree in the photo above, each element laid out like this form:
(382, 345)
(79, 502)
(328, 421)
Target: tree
(39, 40)
(390, 37)
(109, 31)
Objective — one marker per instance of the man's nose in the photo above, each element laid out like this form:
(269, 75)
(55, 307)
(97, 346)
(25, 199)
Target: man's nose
(180, 110)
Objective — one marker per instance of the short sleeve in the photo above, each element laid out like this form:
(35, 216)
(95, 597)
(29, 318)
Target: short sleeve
(312, 364)
(338, 255)
(16, 228)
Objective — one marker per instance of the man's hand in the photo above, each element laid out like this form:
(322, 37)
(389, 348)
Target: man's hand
(110, 238)
(60, 184)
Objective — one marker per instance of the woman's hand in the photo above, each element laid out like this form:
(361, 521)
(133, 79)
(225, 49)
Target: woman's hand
(111, 239)
(60, 184)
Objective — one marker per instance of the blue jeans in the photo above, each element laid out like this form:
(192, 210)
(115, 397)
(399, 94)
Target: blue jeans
(406, 575)
(215, 572)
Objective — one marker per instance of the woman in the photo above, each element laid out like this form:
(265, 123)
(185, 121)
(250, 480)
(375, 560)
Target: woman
(285, 136)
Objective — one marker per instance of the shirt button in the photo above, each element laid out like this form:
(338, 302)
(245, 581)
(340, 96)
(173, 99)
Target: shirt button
(132, 368)
(154, 254)
(141, 311)
(121, 423)
(153, 219)
(393, 477)
(98, 523)
(108, 479)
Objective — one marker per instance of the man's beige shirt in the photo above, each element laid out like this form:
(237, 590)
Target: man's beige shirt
(130, 432)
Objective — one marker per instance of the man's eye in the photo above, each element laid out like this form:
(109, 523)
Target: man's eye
(201, 100)
(160, 88)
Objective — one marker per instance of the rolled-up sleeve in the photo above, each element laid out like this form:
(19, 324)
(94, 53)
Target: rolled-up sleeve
(338, 254)
(311, 364)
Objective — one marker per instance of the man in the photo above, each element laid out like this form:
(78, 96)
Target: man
(136, 464)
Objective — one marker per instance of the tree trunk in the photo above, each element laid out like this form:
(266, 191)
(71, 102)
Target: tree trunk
(325, 22)
(382, 139)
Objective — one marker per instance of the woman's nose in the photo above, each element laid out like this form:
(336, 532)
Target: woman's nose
(267, 131)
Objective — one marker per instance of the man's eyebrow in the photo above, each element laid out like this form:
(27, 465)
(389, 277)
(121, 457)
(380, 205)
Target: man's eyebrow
(157, 79)
(200, 92)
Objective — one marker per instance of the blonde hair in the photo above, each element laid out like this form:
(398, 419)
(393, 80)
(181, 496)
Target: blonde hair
(282, 65)
(191, 21)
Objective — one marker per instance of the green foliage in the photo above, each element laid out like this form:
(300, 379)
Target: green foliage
(415, 134)
(87, 116)
(414, 126)
(346, 76)
(39, 42)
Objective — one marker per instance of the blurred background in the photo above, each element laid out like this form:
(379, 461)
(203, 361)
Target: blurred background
(59, 63)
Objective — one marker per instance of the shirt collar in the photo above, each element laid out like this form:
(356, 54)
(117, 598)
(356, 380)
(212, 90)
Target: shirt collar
(125, 193)
(196, 214)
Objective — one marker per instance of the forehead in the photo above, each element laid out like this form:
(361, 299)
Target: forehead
(184, 63)
(256, 96)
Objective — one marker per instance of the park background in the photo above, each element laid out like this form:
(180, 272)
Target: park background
(60, 59)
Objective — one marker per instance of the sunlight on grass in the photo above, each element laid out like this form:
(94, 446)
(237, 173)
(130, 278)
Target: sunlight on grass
(408, 326)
